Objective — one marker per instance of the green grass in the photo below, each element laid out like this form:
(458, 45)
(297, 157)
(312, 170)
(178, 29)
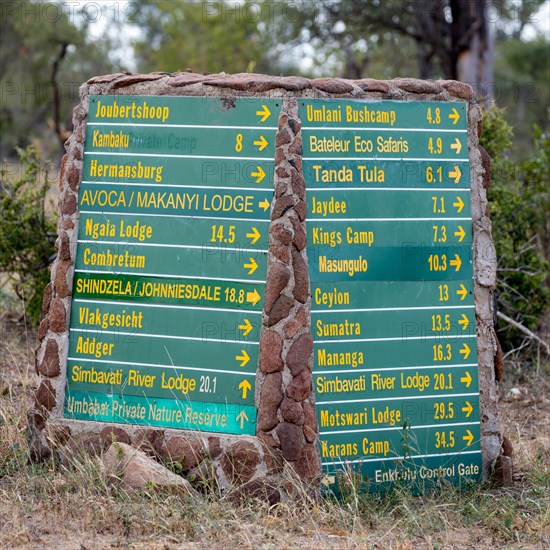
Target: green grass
(77, 505)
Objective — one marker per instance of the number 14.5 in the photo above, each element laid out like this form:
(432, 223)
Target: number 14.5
(221, 235)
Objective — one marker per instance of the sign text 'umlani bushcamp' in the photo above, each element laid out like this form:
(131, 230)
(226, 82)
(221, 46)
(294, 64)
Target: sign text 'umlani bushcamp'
(393, 318)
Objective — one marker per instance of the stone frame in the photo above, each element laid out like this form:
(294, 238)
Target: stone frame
(287, 432)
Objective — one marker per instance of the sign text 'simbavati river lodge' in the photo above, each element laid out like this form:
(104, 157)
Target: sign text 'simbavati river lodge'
(273, 273)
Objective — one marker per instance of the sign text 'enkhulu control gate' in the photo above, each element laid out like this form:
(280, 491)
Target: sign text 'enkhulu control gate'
(393, 316)
(272, 273)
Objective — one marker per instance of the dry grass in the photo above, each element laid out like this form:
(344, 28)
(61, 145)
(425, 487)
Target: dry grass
(78, 508)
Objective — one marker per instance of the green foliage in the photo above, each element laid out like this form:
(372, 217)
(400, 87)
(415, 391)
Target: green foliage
(27, 232)
(45, 55)
(519, 204)
(497, 134)
(211, 37)
(522, 74)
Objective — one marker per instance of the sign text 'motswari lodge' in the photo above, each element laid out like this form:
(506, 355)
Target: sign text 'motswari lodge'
(393, 318)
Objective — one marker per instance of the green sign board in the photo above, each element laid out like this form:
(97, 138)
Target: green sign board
(393, 318)
(171, 261)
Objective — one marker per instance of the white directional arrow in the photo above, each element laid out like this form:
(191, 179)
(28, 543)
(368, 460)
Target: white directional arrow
(242, 418)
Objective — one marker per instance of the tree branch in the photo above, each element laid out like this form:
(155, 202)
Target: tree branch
(57, 93)
(525, 330)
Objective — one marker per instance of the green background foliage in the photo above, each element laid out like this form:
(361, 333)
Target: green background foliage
(519, 204)
(28, 229)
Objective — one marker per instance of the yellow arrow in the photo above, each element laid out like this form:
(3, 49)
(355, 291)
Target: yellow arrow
(454, 116)
(456, 263)
(261, 143)
(246, 327)
(465, 351)
(252, 266)
(457, 146)
(467, 379)
(244, 358)
(245, 386)
(460, 233)
(456, 173)
(469, 437)
(265, 204)
(242, 417)
(259, 175)
(264, 113)
(464, 322)
(254, 235)
(253, 297)
(462, 292)
(459, 204)
(467, 409)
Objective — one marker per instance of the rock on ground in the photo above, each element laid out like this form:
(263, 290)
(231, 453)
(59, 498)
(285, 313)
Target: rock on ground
(139, 471)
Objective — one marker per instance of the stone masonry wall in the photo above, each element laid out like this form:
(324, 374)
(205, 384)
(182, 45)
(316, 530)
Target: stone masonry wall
(284, 395)
(286, 423)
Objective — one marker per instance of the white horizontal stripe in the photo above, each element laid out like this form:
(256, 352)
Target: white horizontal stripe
(408, 189)
(223, 249)
(400, 458)
(103, 212)
(387, 219)
(166, 336)
(200, 369)
(137, 124)
(396, 398)
(397, 338)
(388, 428)
(159, 155)
(202, 187)
(389, 309)
(371, 129)
(381, 159)
(323, 372)
(138, 304)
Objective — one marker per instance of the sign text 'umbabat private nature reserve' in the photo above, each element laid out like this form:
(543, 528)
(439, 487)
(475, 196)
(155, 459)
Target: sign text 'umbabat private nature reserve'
(171, 266)
(171, 262)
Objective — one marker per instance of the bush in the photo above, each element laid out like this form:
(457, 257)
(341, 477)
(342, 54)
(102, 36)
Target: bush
(27, 231)
(519, 204)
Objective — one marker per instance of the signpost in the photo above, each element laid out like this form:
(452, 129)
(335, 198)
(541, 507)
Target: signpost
(171, 261)
(393, 317)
